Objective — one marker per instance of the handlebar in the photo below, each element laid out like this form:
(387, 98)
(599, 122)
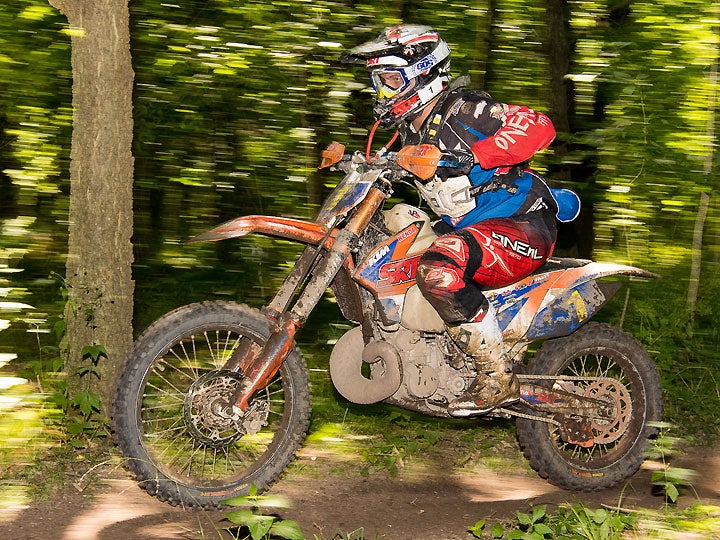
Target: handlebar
(387, 162)
(420, 160)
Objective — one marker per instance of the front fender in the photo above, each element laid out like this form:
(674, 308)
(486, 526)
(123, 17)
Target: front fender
(306, 232)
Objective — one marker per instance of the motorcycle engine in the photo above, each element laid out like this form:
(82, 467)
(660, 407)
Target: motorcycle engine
(416, 371)
(429, 378)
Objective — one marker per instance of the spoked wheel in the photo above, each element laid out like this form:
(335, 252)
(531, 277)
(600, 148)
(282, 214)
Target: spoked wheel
(601, 362)
(173, 418)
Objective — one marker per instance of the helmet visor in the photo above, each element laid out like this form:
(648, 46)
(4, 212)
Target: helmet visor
(389, 83)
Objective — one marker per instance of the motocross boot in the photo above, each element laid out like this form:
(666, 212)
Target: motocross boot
(493, 386)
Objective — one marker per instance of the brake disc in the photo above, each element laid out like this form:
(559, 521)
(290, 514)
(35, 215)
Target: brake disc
(208, 414)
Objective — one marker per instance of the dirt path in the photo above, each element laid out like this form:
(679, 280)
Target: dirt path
(430, 503)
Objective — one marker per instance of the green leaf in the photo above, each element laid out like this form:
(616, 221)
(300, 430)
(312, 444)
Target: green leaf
(85, 370)
(95, 352)
(600, 515)
(672, 492)
(260, 526)
(477, 529)
(543, 529)
(240, 500)
(59, 328)
(496, 531)
(257, 524)
(272, 501)
(86, 402)
(538, 513)
(61, 400)
(523, 518)
(57, 364)
(604, 530)
(240, 517)
(288, 529)
(76, 428)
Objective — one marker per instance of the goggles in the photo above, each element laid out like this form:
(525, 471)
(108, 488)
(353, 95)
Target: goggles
(388, 83)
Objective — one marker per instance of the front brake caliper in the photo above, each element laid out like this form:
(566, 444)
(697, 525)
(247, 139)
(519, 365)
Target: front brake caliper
(255, 417)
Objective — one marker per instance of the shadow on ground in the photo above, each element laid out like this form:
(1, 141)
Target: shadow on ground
(420, 503)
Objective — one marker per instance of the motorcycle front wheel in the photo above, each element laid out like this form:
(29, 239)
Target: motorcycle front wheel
(619, 371)
(171, 418)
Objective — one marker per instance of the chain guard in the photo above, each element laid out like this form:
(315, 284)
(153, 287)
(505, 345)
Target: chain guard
(608, 396)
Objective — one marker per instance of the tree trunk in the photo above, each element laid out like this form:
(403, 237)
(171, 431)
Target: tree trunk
(484, 40)
(558, 52)
(99, 279)
(575, 239)
(699, 229)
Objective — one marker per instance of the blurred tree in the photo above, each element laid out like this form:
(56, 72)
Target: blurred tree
(573, 162)
(98, 277)
(707, 173)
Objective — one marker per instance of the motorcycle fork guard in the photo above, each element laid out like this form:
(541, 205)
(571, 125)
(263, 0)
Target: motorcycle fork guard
(259, 369)
(262, 367)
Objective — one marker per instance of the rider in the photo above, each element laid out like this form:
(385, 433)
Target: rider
(498, 217)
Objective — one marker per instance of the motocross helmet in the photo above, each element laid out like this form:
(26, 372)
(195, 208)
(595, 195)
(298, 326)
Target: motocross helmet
(409, 66)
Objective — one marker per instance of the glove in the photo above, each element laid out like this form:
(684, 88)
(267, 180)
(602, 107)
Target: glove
(455, 163)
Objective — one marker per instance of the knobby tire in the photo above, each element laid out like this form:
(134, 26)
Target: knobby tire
(597, 350)
(176, 456)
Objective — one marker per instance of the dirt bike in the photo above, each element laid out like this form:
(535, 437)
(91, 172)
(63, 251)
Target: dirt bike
(214, 397)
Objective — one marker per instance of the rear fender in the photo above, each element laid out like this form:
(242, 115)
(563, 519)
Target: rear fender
(576, 296)
(570, 309)
(597, 270)
(558, 299)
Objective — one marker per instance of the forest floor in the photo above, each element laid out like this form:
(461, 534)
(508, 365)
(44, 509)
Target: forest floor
(331, 499)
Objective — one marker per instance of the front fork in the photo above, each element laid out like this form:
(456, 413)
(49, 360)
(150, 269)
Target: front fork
(260, 365)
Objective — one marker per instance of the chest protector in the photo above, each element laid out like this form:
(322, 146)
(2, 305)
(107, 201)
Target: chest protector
(452, 197)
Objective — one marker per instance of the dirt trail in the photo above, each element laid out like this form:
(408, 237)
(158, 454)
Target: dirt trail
(434, 503)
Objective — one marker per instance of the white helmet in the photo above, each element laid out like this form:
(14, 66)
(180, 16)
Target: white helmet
(409, 66)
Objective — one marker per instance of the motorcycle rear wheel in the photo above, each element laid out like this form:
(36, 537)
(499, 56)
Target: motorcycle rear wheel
(596, 350)
(171, 421)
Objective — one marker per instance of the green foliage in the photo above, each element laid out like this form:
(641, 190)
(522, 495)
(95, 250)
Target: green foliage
(696, 521)
(684, 353)
(259, 525)
(577, 521)
(403, 439)
(233, 101)
(81, 418)
(83, 421)
(570, 522)
(668, 479)
(93, 353)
